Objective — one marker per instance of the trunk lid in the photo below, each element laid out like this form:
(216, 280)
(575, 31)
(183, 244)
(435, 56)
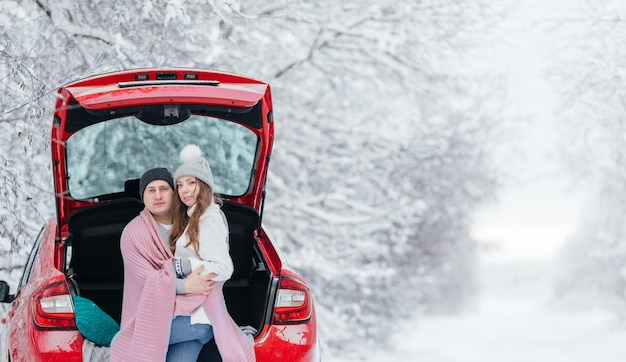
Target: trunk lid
(109, 129)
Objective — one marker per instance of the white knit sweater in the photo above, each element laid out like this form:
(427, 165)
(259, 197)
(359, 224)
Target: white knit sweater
(213, 250)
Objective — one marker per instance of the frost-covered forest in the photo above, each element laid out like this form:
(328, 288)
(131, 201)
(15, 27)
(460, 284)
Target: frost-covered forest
(391, 126)
(593, 119)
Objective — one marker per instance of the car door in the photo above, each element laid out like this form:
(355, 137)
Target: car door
(18, 313)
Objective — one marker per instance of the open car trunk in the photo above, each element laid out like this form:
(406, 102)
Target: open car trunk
(94, 263)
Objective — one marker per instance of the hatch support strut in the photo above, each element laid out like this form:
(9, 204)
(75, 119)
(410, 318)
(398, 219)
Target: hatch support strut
(258, 230)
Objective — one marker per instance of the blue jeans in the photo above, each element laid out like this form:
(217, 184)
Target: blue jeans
(186, 339)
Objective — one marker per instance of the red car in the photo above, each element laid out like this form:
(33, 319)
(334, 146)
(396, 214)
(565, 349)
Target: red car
(106, 131)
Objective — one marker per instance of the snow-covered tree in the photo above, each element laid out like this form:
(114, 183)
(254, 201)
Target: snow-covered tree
(590, 76)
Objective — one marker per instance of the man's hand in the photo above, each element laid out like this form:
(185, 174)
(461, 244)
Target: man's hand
(196, 283)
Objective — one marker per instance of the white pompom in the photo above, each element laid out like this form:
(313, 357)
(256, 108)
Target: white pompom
(189, 153)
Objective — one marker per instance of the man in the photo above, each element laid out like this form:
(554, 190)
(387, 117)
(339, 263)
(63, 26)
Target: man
(150, 283)
(156, 188)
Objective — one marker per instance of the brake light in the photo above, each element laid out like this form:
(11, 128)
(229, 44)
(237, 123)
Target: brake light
(166, 75)
(293, 302)
(53, 308)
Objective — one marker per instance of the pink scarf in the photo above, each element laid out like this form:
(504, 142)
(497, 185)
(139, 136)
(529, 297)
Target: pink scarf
(150, 301)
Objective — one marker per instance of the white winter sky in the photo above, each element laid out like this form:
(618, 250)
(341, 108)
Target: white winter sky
(532, 219)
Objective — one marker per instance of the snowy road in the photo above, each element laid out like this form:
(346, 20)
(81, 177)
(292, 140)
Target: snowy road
(514, 320)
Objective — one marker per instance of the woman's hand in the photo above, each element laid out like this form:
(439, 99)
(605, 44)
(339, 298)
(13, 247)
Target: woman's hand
(196, 283)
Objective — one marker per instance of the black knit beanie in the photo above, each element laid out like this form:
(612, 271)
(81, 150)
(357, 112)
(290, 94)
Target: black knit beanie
(154, 174)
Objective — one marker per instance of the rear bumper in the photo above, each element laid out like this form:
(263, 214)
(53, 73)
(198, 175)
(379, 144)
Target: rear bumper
(48, 346)
(293, 343)
(297, 343)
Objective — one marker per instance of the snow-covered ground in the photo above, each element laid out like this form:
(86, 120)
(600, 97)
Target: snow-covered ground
(514, 319)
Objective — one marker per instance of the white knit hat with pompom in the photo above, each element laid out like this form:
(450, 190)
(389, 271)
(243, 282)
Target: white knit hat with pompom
(194, 165)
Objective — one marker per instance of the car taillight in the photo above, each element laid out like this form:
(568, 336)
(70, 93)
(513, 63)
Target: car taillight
(293, 302)
(53, 307)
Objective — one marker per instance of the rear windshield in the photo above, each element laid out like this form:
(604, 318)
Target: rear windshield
(103, 156)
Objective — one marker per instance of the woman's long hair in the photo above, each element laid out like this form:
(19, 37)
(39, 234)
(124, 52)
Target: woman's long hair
(191, 223)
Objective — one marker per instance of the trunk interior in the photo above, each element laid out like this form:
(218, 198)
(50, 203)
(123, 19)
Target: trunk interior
(95, 266)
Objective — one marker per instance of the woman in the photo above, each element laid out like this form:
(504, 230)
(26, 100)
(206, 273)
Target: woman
(200, 235)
